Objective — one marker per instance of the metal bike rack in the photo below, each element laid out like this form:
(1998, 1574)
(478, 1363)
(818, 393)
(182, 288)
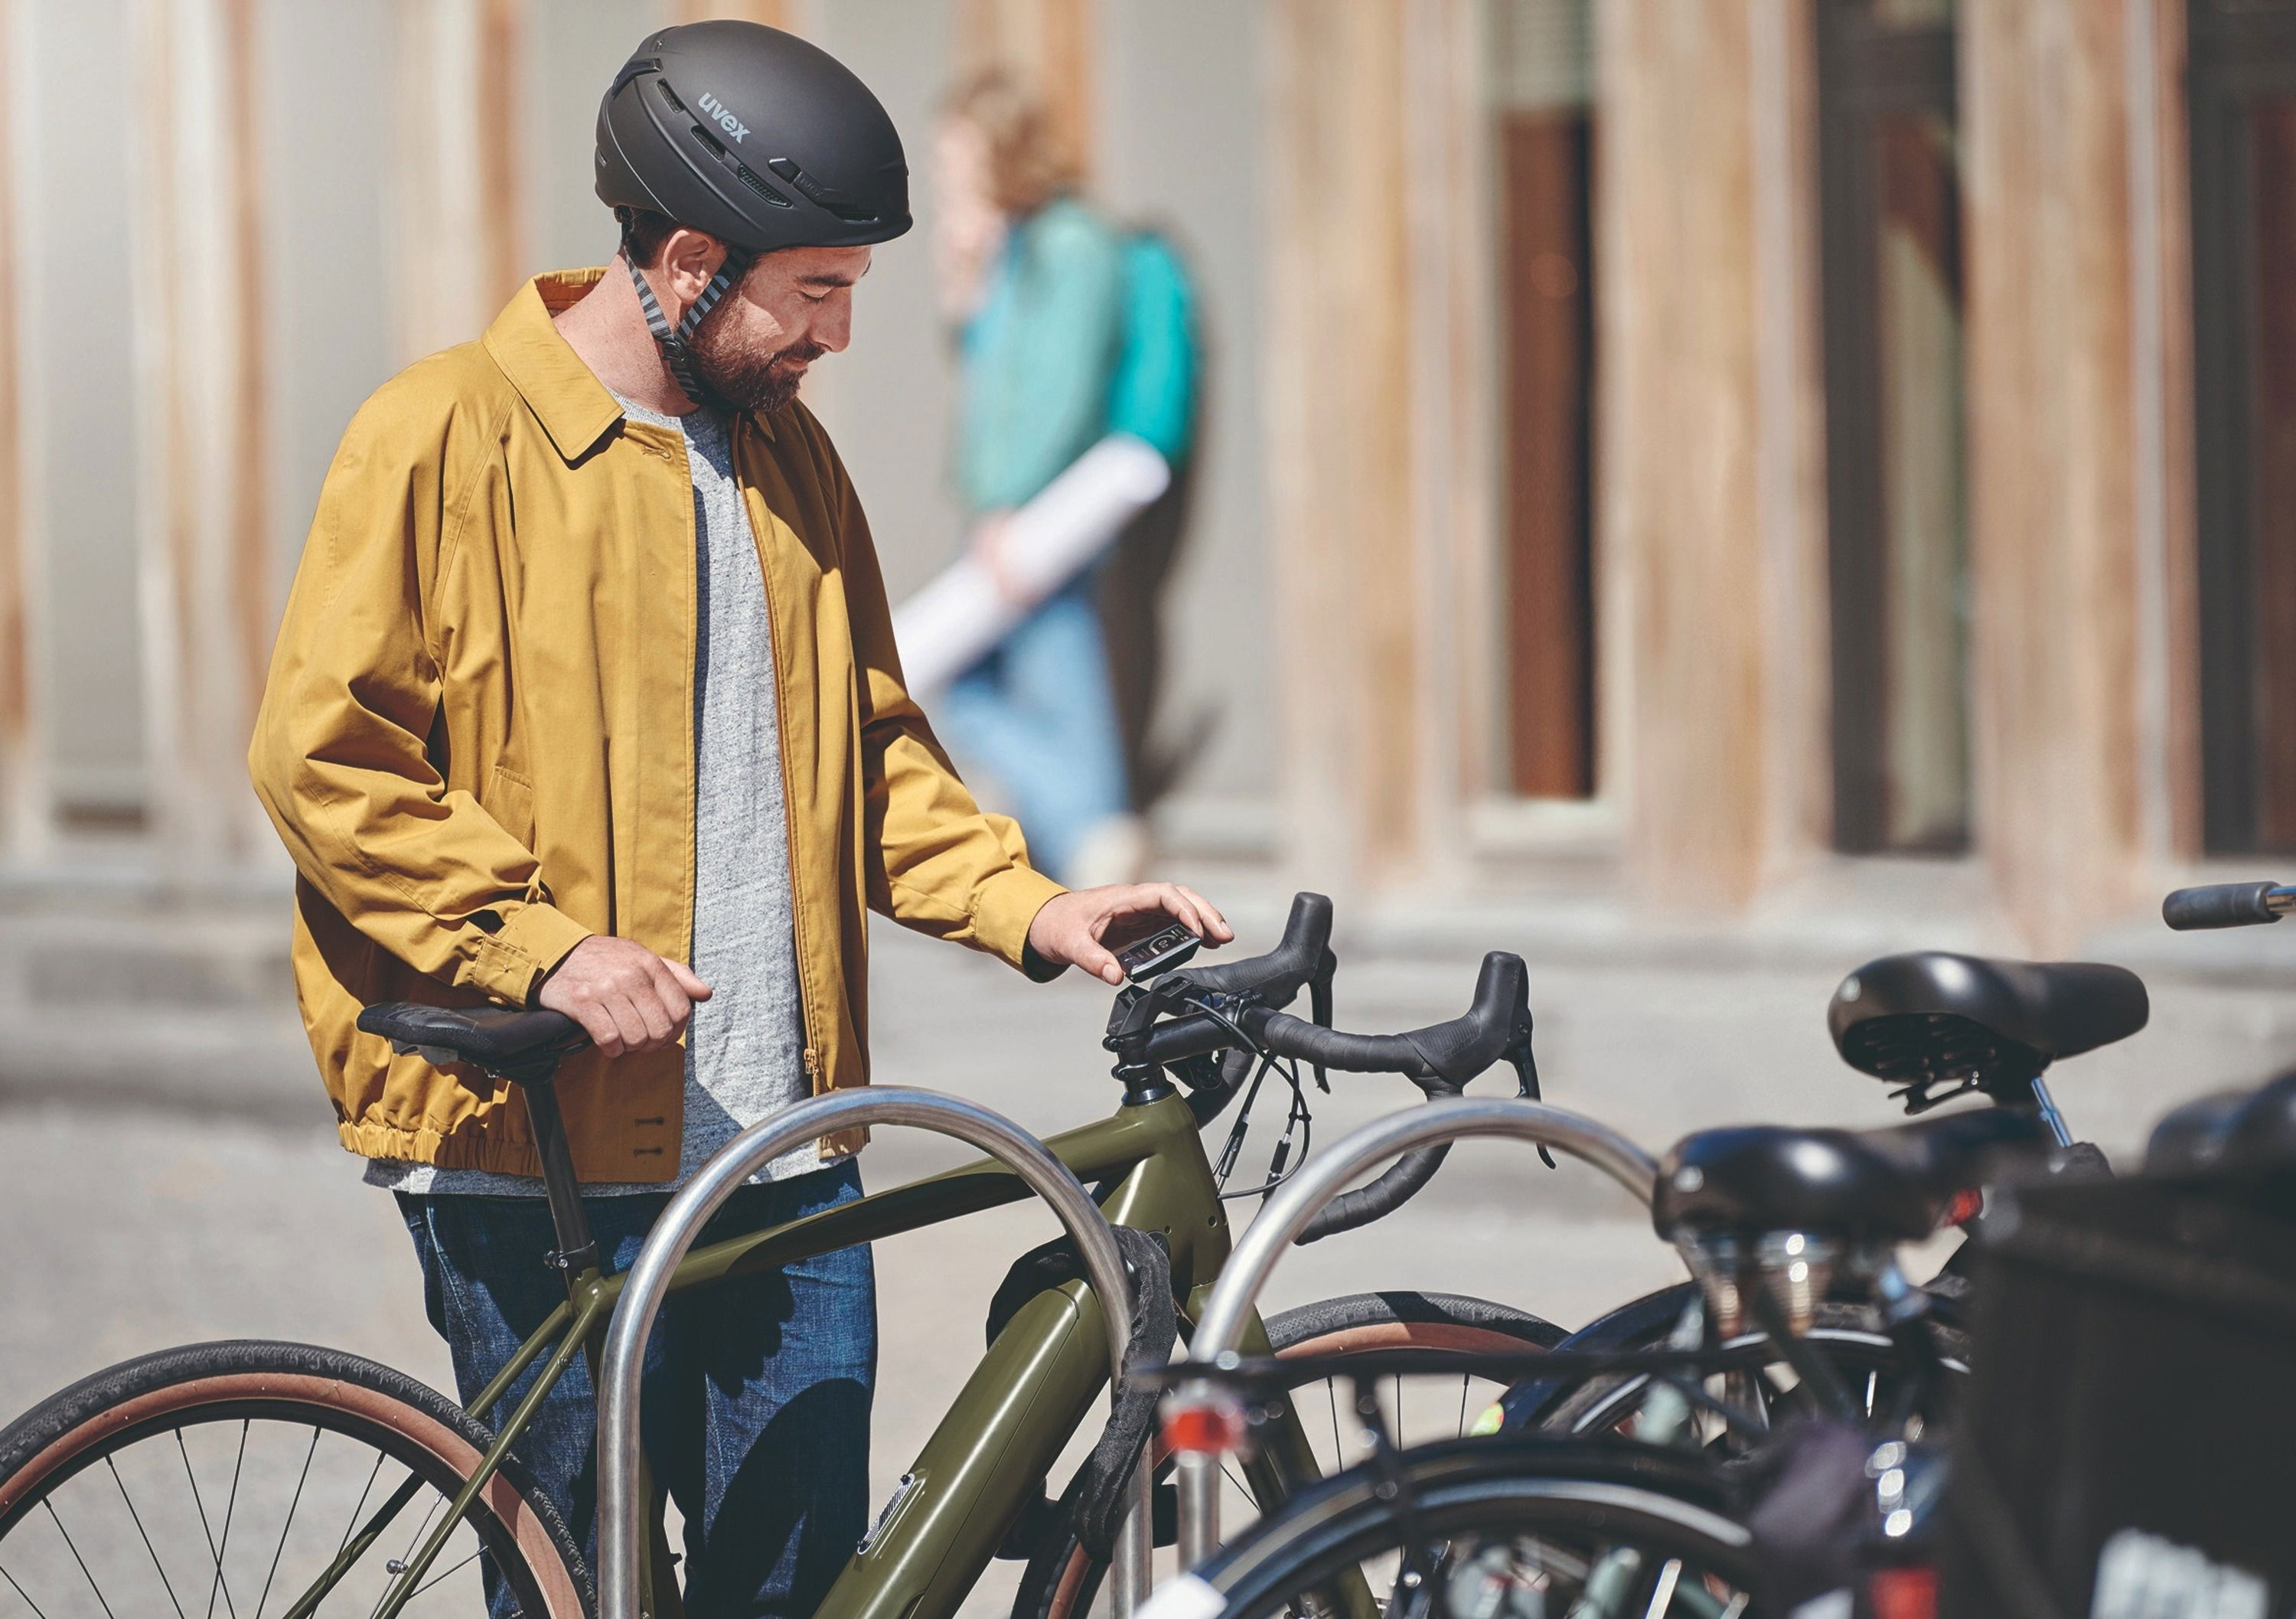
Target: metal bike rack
(1288, 1212)
(619, 1509)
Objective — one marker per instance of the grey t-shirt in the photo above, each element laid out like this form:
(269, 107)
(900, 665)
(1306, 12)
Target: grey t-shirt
(744, 1049)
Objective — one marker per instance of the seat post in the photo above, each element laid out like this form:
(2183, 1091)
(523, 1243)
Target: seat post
(578, 1249)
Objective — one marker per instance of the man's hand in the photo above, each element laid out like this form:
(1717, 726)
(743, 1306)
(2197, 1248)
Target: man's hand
(627, 998)
(1079, 927)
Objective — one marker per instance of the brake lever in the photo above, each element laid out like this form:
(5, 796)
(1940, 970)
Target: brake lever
(1319, 1005)
(1526, 1077)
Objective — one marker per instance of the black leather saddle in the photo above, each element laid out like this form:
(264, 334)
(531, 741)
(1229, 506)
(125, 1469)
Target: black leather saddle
(2234, 1132)
(521, 1046)
(1884, 1186)
(1930, 1019)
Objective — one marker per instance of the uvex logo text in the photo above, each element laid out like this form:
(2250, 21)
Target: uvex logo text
(716, 109)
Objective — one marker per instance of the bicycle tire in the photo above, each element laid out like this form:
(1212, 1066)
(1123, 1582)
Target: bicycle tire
(1846, 1332)
(1562, 1491)
(1061, 1581)
(176, 1392)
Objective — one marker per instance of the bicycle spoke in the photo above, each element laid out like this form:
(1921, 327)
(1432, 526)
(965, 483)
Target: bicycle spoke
(1461, 1432)
(197, 1500)
(239, 1465)
(419, 1530)
(301, 1479)
(90, 1578)
(352, 1522)
(21, 1591)
(434, 1579)
(162, 1573)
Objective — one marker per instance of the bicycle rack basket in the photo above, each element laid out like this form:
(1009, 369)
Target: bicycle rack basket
(1287, 1213)
(619, 1509)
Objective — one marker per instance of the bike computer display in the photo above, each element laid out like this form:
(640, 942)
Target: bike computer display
(1159, 952)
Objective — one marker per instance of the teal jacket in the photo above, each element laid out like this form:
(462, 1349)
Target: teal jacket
(1083, 332)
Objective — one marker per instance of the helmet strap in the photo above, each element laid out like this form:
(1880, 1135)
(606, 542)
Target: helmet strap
(677, 343)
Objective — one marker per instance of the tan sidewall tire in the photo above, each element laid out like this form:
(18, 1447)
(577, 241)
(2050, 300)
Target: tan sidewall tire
(560, 1592)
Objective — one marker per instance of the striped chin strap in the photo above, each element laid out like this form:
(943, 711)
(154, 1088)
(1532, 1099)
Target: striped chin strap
(677, 344)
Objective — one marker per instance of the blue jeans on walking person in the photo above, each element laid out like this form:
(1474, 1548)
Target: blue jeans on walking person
(757, 1391)
(1038, 714)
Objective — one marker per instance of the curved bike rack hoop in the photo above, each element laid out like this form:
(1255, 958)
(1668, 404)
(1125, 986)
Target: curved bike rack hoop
(620, 1510)
(1288, 1212)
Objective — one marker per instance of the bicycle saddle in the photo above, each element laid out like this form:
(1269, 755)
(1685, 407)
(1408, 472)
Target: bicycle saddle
(511, 1044)
(1887, 1185)
(1930, 1017)
(2232, 1132)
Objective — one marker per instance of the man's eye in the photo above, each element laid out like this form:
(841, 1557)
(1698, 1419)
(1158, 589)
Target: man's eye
(815, 298)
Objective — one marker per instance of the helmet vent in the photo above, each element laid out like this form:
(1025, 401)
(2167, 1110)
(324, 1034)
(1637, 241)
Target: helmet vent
(671, 95)
(717, 147)
(756, 182)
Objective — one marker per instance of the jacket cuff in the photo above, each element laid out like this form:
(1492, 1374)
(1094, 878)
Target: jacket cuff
(1003, 906)
(512, 961)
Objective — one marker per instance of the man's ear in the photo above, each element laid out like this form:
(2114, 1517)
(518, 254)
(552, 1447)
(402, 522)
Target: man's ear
(689, 258)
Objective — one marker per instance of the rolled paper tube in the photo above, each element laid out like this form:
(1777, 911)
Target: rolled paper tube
(958, 619)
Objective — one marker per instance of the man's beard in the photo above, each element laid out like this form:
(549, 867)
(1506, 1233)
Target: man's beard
(735, 377)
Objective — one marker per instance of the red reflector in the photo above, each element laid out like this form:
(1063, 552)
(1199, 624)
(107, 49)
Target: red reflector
(1964, 1207)
(1204, 1428)
(1904, 1593)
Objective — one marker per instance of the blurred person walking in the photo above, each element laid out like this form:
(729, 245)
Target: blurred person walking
(587, 698)
(1078, 357)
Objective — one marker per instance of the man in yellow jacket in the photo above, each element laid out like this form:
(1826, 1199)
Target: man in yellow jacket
(587, 697)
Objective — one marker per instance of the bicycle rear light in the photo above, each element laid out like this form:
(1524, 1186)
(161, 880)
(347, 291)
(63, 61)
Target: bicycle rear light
(1202, 1421)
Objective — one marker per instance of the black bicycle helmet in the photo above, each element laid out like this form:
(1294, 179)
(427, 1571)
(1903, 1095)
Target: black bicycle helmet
(754, 136)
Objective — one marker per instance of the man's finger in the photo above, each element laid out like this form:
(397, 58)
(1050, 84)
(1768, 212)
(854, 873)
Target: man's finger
(688, 980)
(628, 1023)
(646, 1003)
(1220, 932)
(604, 1033)
(1098, 961)
(675, 1003)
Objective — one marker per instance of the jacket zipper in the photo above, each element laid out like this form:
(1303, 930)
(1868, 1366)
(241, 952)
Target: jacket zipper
(812, 1056)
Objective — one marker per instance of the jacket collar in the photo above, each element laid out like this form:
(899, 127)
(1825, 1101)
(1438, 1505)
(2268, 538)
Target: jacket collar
(566, 397)
(575, 408)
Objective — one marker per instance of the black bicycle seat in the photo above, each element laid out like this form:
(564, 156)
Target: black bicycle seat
(1884, 1186)
(1931, 1017)
(515, 1045)
(2232, 1132)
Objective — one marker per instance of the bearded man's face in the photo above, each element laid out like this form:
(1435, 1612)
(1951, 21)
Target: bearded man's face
(751, 352)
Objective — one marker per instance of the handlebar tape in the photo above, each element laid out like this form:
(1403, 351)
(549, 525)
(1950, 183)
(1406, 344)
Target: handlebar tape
(2218, 905)
(1451, 1053)
(1280, 975)
(1440, 1059)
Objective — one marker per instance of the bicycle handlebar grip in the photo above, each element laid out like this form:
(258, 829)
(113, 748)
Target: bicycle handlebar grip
(1279, 975)
(2218, 905)
(1398, 1185)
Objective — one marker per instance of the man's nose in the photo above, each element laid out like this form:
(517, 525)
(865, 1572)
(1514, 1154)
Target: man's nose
(834, 330)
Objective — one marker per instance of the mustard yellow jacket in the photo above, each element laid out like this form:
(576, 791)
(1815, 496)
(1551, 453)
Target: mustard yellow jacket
(477, 738)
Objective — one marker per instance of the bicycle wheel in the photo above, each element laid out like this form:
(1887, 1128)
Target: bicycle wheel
(1847, 1334)
(1520, 1527)
(234, 1478)
(1061, 1581)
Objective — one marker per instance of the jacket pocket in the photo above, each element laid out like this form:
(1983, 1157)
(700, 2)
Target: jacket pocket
(510, 800)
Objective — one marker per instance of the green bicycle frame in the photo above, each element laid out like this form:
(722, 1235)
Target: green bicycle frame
(1034, 1387)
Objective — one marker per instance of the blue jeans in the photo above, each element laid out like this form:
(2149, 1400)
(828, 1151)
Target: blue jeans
(1037, 714)
(757, 1391)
